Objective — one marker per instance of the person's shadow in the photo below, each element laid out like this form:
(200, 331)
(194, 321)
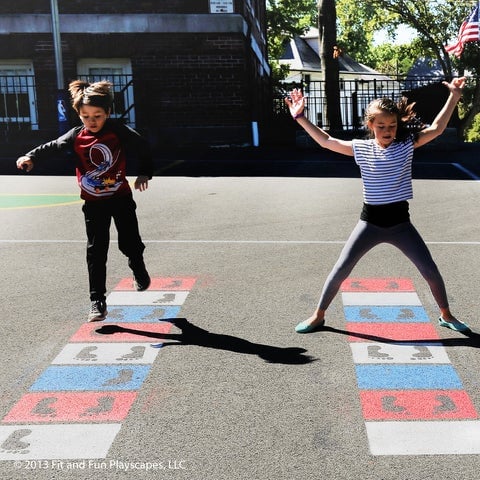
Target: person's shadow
(193, 335)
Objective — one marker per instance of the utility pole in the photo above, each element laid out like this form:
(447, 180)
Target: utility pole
(57, 46)
(327, 30)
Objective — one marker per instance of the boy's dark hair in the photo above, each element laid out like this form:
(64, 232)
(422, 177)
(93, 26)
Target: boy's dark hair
(97, 94)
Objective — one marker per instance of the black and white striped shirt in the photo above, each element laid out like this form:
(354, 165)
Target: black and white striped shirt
(386, 172)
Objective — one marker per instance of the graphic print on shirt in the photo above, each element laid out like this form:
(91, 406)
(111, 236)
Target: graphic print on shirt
(97, 182)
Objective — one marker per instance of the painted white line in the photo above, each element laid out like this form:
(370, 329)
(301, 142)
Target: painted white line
(56, 442)
(395, 353)
(106, 353)
(150, 297)
(226, 242)
(466, 170)
(424, 438)
(377, 299)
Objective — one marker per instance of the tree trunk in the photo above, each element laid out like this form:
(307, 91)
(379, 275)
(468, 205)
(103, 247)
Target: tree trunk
(327, 20)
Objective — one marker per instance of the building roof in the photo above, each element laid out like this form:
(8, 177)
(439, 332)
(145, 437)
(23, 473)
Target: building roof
(302, 54)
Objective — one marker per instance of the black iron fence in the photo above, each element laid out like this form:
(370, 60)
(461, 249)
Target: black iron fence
(19, 106)
(18, 102)
(355, 95)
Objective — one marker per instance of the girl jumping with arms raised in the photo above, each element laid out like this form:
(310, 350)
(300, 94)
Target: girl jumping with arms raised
(385, 163)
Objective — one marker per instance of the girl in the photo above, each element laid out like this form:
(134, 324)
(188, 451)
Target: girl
(99, 145)
(385, 162)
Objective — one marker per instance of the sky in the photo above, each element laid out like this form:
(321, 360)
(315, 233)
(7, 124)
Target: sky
(404, 35)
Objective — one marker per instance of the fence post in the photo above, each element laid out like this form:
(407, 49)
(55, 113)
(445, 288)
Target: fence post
(355, 109)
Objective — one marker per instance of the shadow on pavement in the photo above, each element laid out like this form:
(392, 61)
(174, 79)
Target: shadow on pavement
(193, 335)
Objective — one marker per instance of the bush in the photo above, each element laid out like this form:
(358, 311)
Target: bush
(473, 133)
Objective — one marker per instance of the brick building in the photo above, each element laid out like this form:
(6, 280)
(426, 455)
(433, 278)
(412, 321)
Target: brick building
(186, 72)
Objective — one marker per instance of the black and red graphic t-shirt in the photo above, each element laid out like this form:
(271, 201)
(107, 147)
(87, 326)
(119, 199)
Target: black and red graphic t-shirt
(101, 165)
(101, 158)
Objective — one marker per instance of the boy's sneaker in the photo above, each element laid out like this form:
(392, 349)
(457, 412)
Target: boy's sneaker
(141, 281)
(98, 311)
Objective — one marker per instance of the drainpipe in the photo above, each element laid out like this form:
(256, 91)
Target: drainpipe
(61, 100)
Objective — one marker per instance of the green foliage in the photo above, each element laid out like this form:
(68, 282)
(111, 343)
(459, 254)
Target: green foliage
(285, 19)
(355, 30)
(393, 59)
(436, 23)
(473, 133)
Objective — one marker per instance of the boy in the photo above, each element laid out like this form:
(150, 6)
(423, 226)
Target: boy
(99, 146)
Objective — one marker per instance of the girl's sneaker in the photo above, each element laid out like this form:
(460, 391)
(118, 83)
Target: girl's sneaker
(456, 325)
(98, 311)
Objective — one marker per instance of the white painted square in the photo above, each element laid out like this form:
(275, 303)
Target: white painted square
(149, 297)
(378, 299)
(56, 442)
(364, 352)
(424, 438)
(106, 353)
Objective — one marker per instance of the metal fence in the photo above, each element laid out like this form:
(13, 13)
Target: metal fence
(355, 95)
(19, 102)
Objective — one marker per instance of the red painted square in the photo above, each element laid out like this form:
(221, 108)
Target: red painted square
(161, 283)
(391, 332)
(416, 405)
(78, 407)
(377, 285)
(121, 332)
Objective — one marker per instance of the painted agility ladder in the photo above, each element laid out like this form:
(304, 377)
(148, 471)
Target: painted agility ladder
(412, 399)
(75, 408)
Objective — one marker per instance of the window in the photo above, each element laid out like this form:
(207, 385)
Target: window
(18, 104)
(119, 72)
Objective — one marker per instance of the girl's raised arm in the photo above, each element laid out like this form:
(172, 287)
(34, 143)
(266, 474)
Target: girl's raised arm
(440, 122)
(296, 104)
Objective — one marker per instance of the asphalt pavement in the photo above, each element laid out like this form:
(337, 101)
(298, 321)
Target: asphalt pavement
(203, 377)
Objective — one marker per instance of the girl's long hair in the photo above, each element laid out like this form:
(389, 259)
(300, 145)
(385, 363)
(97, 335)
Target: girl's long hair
(408, 122)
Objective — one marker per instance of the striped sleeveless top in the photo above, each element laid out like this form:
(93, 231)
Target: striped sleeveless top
(386, 172)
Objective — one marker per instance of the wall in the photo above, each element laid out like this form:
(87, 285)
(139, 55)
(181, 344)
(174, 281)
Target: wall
(199, 78)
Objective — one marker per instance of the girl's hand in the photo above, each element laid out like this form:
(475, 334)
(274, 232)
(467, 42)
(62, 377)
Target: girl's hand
(456, 86)
(295, 102)
(25, 163)
(141, 183)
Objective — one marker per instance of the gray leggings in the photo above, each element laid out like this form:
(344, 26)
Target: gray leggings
(364, 237)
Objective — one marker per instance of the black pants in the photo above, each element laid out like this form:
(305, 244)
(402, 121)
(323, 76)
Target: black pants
(98, 217)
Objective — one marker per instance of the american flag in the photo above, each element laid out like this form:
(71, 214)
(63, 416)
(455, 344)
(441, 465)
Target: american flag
(469, 32)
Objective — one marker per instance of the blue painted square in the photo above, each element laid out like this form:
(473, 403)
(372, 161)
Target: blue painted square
(419, 377)
(91, 378)
(141, 314)
(397, 314)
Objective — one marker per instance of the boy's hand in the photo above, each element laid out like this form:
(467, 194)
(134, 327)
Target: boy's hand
(25, 163)
(141, 183)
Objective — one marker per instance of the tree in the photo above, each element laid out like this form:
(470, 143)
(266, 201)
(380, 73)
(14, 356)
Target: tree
(327, 28)
(356, 27)
(436, 23)
(285, 19)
